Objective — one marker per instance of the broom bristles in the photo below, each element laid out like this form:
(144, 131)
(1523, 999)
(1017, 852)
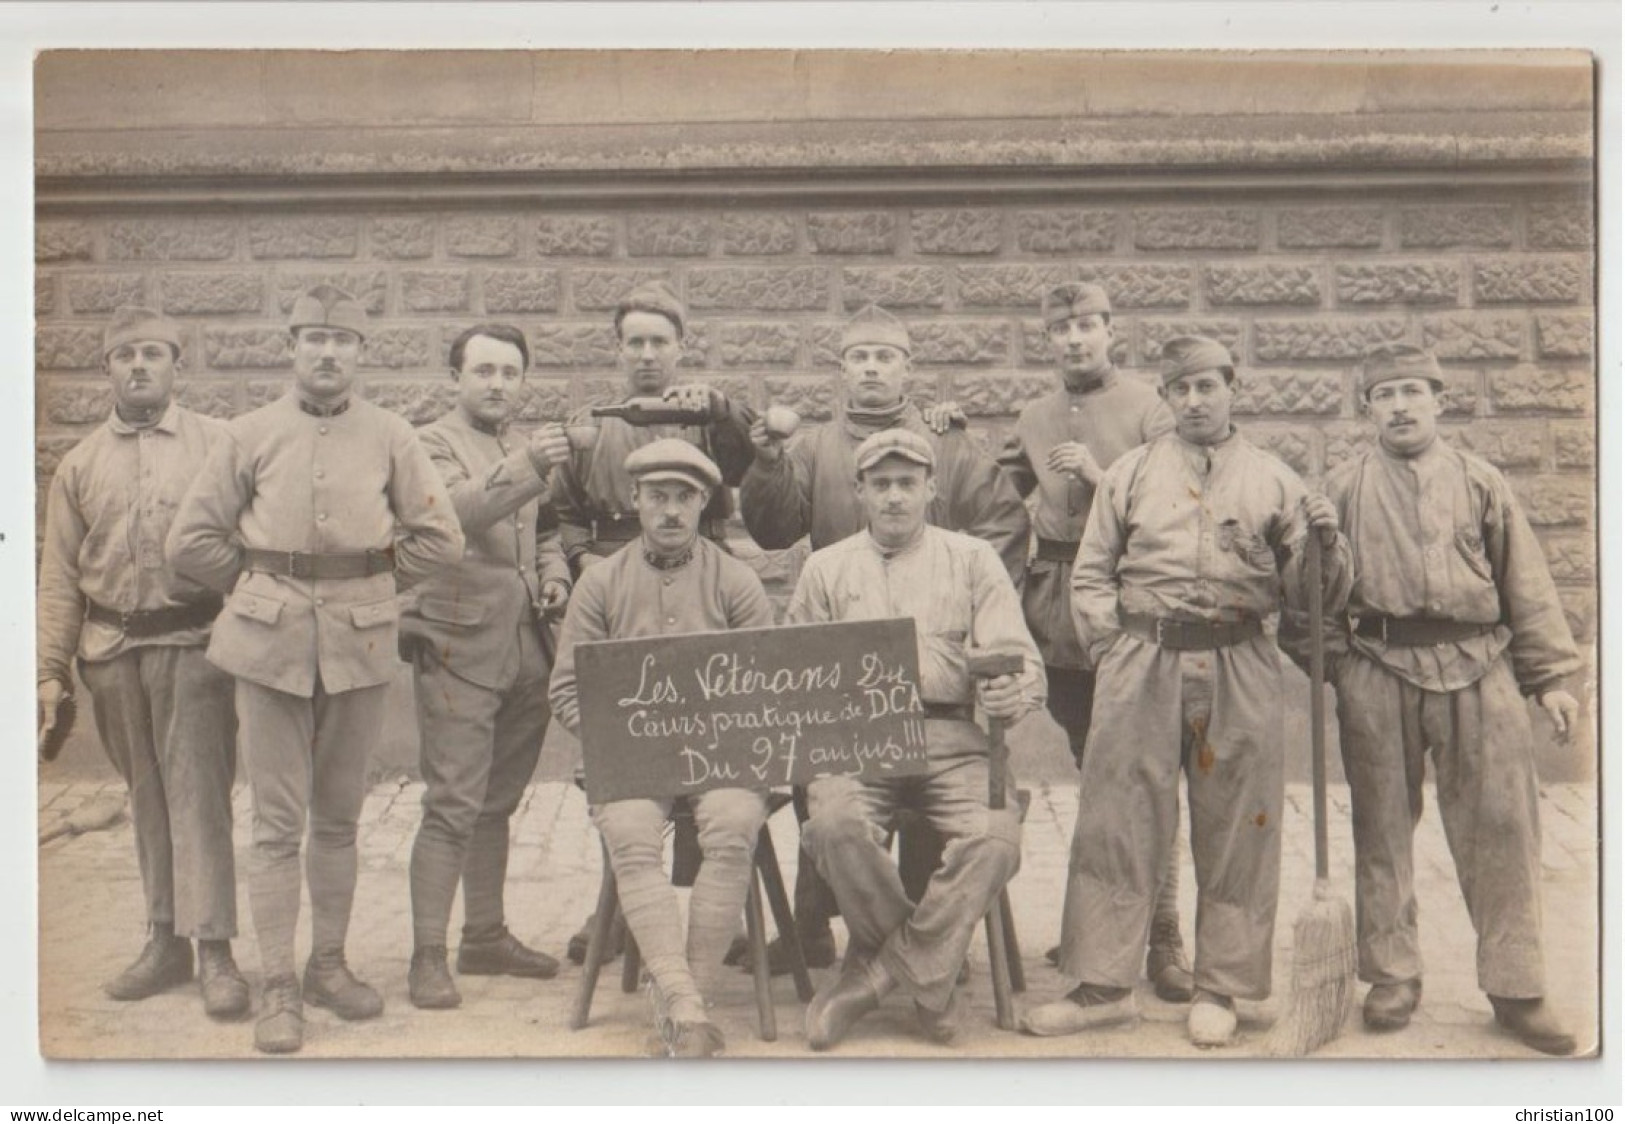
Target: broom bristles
(1322, 978)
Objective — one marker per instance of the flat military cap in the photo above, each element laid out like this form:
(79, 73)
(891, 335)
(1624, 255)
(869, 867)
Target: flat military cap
(1399, 361)
(328, 306)
(875, 326)
(1191, 355)
(895, 442)
(656, 297)
(1075, 298)
(130, 325)
(673, 459)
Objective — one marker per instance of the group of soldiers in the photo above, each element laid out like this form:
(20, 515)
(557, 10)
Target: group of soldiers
(261, 580)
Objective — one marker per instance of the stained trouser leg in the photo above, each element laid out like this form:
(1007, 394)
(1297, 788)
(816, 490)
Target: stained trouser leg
(815, 902)
(728, 820)
(346, 727)
(1234, 767)
(521, 723)
(1489, 800)
(1379, 727)
(276, 732)
(845, 835)
(124, 725)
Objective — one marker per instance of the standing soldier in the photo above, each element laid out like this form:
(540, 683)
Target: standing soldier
(961, 600)
(807, 490)
(1194, 540)
(472, 634)
(1062, 445)
(305, 515)
(672, 581)
(163, 714)
(1453, 620)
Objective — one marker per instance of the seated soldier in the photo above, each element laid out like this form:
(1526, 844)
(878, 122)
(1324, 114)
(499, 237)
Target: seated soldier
(960, 597)
(671, 581)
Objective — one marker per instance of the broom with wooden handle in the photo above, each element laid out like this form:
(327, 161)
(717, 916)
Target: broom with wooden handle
(1323, 938)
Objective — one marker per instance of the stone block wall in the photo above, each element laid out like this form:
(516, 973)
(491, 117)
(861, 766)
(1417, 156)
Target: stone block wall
(1498, 280)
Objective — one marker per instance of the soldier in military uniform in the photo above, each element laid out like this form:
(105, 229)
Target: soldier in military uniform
(306, 516)
(473, 635)
(672, 581)
(163, 714)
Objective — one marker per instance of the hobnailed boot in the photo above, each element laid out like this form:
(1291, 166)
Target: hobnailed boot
(225, 992)
(429, 981)
(1165, 963)
(281, 1029)
(165, 962)
(330, 983)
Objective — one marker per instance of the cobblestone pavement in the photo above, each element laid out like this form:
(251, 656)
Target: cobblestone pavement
(91, 926)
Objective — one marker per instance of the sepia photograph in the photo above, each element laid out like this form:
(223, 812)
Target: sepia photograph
(817, 554)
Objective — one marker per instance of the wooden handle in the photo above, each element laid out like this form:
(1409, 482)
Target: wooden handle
(1317, 702)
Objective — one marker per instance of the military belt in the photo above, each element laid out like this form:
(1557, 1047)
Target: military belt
(1417, 632)
(140, 623)
(1056, 550)
(294, 564)
(1190, 636)
(950, 712)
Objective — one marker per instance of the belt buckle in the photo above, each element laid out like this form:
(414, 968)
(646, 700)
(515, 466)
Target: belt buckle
(125, 618)
(293, 565)
(1157, 634)
(1383, 629)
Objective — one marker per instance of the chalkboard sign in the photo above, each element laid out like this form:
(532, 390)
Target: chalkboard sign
(756, 708)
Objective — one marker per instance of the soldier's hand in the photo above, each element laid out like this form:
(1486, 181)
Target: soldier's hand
(943, 416)
(1002, 697)
(1073, 458)
(50, 697)
(1564, 711)
(1321, 515)
(547, 446)
(555, 594)
(696, 396)
(768, 448)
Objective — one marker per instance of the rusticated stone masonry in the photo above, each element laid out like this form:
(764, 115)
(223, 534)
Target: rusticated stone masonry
(1498, 281)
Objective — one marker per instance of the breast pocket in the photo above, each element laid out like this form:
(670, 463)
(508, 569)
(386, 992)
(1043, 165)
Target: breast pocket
(265, 610)
(374, 614)
(1252, 550)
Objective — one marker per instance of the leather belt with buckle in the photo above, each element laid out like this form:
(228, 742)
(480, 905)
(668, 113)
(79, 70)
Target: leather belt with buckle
(950, 712)
(315, 567)
(1055, 550)
(140, 623)
(1417, 632)
(1190, 636)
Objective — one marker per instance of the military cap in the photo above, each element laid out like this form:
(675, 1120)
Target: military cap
(130, 324)
(1190, 355)
(328, 306)
(895, 442)
(1075, 298)
(1399, 361)
(875, 326)
(656, 297)
(671, 458)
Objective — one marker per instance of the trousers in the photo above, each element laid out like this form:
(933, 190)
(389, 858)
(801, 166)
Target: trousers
(479, 748)
(1484, 765)
(728, 820)
(921, 945)
(165, 719)
(1215, 715)
(305, 756)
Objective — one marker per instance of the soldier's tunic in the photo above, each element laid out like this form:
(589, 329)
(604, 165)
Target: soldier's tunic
(1184, 532)
(1441, 535)
(629, 596)
(472, 634)
(163, 714)
(312, 656)
(809, 490)
(1109, 419)
(959, 595)
(592, 491)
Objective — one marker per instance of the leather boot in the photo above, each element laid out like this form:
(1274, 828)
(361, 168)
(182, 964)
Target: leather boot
(429, 981)
(1212, 1020)
(225, 992)
(165, 962)
(1535, 1024)
(1390, 1006)
(281, 1029)
(504, 955)
(1165, 963)
(330, 983)
(576, 950)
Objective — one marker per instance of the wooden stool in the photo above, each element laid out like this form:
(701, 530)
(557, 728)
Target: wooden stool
(765, 880)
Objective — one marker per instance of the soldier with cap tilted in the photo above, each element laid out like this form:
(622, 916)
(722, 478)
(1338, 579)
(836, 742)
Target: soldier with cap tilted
(1452, 623)
(163, 714)
(306, 516)
(1192, 541)
(671, 581)
(1062, 445)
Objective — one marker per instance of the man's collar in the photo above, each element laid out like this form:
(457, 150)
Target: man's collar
(658, 562)
(167, 421)
(887, 553)
(316, 410)
(1090, 384)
